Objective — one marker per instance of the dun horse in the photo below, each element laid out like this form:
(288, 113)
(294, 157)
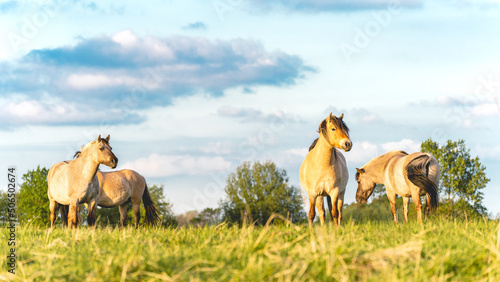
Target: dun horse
(119, 188)
(75, 183)
(404, 175)
(324, 170)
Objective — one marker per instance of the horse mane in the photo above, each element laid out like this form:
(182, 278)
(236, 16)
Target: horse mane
(313, 144)
(337, 122)
(88, 144)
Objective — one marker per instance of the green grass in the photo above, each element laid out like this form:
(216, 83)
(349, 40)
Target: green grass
(442, 250)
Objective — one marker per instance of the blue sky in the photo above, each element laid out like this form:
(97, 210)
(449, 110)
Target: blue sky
(190, 89)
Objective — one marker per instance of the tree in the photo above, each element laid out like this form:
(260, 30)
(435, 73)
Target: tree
(208, 216)
(462, 178)
(33, 202)
(255, 192)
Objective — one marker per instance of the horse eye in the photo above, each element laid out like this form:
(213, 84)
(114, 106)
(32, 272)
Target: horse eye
(102, 148)
(333, 129)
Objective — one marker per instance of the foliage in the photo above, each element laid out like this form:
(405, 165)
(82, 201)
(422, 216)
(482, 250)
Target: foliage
(33, 204)
(442, 250)
(255, 192)
(208, 216)
(4, 203)
(462, 178)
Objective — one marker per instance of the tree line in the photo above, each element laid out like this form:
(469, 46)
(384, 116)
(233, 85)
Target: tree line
(256, 191)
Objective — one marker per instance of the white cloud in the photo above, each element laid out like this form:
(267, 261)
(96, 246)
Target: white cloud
(24, 112)
(125, 38)
(156, 165)
(301, 152)
(488, 152)
(95, 81)
(486, 110)
(361, 152)
(407, 145)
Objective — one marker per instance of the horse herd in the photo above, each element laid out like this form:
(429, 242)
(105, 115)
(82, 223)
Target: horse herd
(323, 173)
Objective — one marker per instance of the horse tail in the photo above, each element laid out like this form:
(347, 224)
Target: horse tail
(417, 172)
(151, 212)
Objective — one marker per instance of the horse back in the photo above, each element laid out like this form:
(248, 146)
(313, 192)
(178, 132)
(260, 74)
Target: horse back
(117, 187)
(395, 176)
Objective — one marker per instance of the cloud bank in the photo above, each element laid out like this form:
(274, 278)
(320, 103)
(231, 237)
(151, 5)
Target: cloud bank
(123, 73)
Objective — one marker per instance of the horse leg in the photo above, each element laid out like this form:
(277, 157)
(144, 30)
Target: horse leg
(418, 204)
(91, 212)
(406, 200)
(392, 200)
(53, 205)
(340, 205)
(320, 205)
(137, 213)
(123, 214)
(427, 205)
(329, 201)
(312, 213)
(73, 215)
(335, 212)
(64, 214)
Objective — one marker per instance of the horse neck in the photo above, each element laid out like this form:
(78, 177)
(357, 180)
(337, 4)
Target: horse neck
(323, 152)
(86, 167)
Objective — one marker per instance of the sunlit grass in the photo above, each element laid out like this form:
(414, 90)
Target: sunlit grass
(373, 251)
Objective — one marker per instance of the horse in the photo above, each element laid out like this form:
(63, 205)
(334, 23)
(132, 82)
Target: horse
(324, 171)
(75, 183)
(403, 174)
(119, 188)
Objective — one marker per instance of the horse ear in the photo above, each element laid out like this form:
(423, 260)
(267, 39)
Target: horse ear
(341, 116)
(331, 116)
(107, 138)
(360, 170)
(99, 138)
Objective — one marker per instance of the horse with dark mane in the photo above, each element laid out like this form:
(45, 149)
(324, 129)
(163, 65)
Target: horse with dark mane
(404, 175)
(323, 172)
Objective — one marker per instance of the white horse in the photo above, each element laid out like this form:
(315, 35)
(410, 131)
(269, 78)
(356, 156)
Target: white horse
(324, 171)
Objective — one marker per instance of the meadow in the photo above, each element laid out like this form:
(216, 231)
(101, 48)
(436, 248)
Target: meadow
(442, 250)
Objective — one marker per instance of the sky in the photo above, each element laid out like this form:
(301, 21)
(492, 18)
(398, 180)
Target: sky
(190, 89)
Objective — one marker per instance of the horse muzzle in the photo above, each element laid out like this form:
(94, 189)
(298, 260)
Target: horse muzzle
(346, 145)
(361, 200)
(114, 162)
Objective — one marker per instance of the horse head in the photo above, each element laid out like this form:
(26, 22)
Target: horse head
(101, 152)
(336, 132)
(365, 186)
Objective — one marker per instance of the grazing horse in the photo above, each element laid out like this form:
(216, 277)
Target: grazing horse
(118, 188)
(75, 183)
(324, 171)
(404, 175)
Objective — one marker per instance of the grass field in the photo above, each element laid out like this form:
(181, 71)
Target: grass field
(442, 250)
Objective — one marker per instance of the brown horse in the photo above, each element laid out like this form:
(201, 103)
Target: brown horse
(324, 171)
(118, 189)
(75, 183)
(401, 174)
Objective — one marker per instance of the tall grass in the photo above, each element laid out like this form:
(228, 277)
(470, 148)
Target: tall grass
(370, 251)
